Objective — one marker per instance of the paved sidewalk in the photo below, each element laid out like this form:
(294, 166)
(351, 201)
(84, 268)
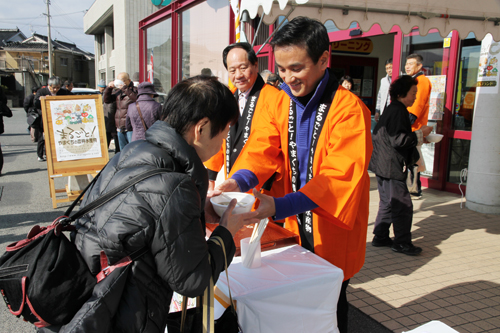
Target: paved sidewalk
(455, 280)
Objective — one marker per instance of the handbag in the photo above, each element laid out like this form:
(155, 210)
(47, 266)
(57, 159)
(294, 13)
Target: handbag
(199, 319)
(43, 277)
(105, 299)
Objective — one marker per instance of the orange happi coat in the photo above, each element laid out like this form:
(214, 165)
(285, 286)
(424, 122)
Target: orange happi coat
(340, 185)
(421, 106)
(267, 96)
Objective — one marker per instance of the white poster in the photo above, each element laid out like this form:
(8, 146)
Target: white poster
(487, 76)
(437, 98)
(76, 132)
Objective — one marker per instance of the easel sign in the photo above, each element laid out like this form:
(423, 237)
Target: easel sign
(75, 139)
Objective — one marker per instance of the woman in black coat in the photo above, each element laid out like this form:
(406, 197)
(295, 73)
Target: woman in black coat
(164, 213)
(394, 151)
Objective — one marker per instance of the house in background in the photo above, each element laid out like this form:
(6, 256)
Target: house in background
(25, 64)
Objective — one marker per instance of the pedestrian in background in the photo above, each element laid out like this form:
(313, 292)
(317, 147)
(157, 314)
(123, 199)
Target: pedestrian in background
(68, 85)
(144, 113)
(53, 88)
(394, 154)
(383, 98)
(4, 112)
(125, 95)
(109, 110)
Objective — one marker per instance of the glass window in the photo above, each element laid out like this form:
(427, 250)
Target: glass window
(466, 83)
(205, 33)
(159, 57)
(458, 159)
(64, 61)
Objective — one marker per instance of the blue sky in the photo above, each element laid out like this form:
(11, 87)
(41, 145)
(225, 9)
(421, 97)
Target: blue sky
(66, 22)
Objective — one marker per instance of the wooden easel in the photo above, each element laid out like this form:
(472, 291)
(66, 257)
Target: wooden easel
(80, 163)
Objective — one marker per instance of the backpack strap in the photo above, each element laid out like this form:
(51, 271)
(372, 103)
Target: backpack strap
(106, 197)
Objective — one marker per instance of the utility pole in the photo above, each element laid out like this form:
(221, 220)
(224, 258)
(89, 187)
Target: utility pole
(49, 38)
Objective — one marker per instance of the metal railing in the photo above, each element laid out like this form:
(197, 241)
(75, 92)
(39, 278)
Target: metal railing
(38, 66)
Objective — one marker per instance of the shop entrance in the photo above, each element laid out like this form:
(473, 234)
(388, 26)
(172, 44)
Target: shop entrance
(363, 71)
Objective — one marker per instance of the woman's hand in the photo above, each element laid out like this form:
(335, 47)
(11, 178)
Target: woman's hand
(210, 214)
(234, 222)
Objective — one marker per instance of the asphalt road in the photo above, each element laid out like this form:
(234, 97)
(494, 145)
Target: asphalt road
(25, 202)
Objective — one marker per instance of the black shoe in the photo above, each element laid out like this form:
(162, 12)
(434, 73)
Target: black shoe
(408, 249)
(379, 242)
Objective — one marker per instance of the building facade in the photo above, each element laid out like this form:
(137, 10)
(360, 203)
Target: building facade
(114, 26)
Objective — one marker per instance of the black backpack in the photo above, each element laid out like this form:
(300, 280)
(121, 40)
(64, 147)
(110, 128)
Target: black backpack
(43, 277)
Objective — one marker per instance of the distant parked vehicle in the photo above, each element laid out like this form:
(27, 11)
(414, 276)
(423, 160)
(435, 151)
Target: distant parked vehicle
(85, 91)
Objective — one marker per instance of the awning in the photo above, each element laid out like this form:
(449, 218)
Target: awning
(465, 16)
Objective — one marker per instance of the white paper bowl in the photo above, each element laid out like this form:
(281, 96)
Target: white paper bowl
(220, 202)
(433, 137)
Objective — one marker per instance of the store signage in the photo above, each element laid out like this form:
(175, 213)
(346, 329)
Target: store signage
(356, 46)
(161, 2)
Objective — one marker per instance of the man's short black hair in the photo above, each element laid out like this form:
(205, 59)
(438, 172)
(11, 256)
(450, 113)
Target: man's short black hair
(198, 97)
(417, 57)
(303, 32)
(252, 57)
(273, 78)
(67, 83)
(34, 89)
(388, 61)
(402, 86)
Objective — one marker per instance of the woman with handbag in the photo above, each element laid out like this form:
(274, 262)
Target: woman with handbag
(394, 151)
(162, 216)
(144, 112)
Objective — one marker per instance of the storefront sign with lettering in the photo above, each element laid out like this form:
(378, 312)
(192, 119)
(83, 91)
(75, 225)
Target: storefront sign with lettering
(357, 46)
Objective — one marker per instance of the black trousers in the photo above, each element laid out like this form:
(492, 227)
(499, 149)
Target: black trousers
(343, 308)
(396, 208)
(40, 148)
(113, 136)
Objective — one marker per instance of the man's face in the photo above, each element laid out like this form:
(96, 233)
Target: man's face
(101, 89)
(70, 87)
(241, 72)
(205, 146)
(388, 69)
(412, 67)
(54, 89)
(298, 70)
(124, 78)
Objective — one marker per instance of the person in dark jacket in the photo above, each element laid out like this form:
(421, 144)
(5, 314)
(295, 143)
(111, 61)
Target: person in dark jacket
(164, 213)
(53, 88)
(29, 101)
(4, 112)
(394, 151)
(126, 95)
(109, 110)
(139, 122)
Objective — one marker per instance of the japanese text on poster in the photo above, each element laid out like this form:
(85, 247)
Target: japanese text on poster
(487, 76)
(437, 99)
(76, 132)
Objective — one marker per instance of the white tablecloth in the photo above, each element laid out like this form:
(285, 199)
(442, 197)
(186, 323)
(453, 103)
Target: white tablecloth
(293, 291)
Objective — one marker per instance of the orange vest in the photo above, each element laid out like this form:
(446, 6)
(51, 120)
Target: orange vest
(421, 106)
(340, 185)
(267, 95)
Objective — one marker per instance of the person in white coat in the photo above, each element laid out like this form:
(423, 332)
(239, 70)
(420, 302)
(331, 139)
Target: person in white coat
(383, 98)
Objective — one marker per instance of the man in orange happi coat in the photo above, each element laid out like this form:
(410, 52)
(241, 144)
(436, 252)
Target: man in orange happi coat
(253, 96)
(319, 133)
(419, 113)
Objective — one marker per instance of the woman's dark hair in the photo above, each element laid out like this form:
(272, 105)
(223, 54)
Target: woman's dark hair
(252, 57)
(402, 86)
(198, 97)
(303, 32)
(346, 78)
